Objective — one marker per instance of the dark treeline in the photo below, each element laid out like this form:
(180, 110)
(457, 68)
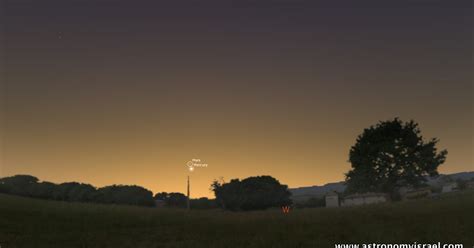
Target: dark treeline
(30, 186)
(253, 193)
(179, 200)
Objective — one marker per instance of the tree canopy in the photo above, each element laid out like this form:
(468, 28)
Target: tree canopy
(19, 185)
(173, 199)
(253, 193)
(390, 154)
(125, 194)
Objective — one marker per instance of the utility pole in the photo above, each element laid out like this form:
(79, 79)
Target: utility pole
(188, 203)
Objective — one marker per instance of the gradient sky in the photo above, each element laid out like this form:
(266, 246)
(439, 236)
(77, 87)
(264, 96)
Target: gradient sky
(126, 92)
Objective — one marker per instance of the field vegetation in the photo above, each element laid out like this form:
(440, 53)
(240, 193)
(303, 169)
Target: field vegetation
(26, 222)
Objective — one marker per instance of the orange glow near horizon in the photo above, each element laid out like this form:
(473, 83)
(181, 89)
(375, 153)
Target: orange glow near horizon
(295, 159)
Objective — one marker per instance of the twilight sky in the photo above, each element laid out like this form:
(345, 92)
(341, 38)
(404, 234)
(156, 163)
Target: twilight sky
(126, 92)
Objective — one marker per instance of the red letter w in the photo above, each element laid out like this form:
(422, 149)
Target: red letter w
(285, 209)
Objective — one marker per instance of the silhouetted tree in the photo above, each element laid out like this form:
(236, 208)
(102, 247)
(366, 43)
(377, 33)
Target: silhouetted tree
(19, 185)
(163, 196)
(252, 193)
(73, 191)
(229, 195)
(176, 200)
(124, 194)
(389, 154)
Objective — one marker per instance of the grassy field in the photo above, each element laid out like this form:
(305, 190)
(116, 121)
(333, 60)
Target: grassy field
(35, 223)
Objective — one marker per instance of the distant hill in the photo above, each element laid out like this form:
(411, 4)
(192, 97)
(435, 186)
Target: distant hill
(461, 175)
(303, 193)
(455, 176)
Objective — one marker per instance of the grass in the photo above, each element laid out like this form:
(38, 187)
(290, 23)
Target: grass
(36, 223)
